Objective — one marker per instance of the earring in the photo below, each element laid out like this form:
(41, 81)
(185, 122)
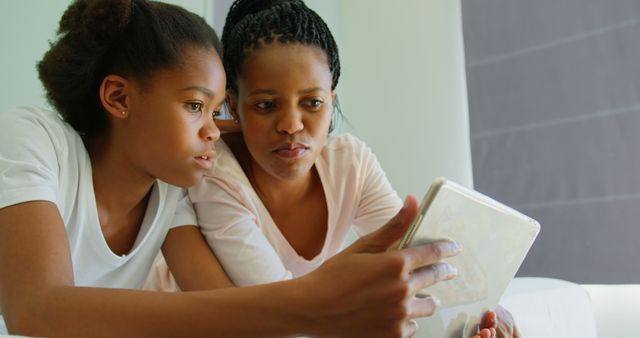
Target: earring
(236, 121)
(124, 113)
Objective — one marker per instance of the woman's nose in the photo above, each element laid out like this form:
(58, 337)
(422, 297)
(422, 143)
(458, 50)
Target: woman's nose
(290, 122)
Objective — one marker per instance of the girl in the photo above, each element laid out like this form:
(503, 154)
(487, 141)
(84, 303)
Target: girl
(91, 191)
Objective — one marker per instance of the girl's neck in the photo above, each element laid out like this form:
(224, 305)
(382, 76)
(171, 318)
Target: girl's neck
(121, 192)
(118, 185)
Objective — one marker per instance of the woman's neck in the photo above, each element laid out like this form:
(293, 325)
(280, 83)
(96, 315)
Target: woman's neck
(298, 207)
(272, 190)
(269, 188)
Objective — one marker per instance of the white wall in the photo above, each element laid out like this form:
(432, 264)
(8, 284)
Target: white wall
(404, 88)
(26, 27)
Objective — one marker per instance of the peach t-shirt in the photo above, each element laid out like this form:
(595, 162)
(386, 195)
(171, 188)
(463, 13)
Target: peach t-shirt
(245, 238)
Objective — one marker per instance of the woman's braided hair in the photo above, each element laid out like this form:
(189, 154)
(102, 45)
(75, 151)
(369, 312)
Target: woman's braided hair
(252, 24)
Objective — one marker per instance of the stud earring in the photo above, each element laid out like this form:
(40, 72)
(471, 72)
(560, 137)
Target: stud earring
(124, 113)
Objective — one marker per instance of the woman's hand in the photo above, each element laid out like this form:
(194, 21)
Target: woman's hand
(498, 324)
(506, 326)
(368, 289)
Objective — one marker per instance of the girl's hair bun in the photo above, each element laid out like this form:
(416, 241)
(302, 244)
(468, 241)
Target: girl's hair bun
(99, 20)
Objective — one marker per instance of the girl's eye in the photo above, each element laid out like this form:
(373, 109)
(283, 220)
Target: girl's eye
(265, 105)
(194, 107)
(215, 114)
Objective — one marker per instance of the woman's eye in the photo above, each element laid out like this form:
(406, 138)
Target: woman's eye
(314, 103)
(194, 107)
(215, 114)
(265, 105)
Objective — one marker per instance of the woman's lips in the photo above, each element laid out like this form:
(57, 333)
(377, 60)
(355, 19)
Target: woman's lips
(291, 151)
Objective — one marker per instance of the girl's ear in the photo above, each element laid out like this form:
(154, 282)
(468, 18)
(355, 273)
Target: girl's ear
(233, 106)
(114, 95)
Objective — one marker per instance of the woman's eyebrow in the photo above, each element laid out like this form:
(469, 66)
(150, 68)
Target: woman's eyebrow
(274, 92)
(263, 91)
(311, 90)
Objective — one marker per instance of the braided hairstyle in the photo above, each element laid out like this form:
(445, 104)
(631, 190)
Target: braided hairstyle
(130, 38)
(253, 24)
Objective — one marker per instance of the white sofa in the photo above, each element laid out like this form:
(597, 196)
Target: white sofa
(549, 308)
(555, 308)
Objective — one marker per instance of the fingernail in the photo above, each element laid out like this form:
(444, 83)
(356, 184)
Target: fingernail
(456, 247)
(453, 271)
(436, 301)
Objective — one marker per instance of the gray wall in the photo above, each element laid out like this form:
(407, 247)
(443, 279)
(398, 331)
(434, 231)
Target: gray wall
(554, 103)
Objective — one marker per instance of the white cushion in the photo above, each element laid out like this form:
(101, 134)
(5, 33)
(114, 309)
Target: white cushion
(616, 309)
(544, 307)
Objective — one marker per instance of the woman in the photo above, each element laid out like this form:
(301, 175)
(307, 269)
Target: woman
(282, 195)
(91, 191)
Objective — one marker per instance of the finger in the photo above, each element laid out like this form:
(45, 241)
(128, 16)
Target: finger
(485, 333)
(427, 254)
(516, 333)
(429, 275)
(490, 320)
(383, 238)
(493, 332)
(410, 328)
(423, 307)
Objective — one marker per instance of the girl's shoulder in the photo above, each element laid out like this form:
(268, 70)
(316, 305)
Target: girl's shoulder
(36, 123)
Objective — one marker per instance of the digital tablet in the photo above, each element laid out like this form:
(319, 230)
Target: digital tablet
(496, 239)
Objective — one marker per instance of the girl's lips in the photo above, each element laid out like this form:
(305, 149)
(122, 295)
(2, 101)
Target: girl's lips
(206, 160)
(205, 163)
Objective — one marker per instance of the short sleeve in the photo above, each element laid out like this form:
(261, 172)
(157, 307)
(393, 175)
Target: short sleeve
(378, 201)
(230, 228)
(29, 165)
(184, 215)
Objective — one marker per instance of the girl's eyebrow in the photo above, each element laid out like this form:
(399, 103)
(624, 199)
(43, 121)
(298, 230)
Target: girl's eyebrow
(204, 90)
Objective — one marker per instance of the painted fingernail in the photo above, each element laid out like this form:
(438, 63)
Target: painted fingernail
(456, 247)
(453, 271)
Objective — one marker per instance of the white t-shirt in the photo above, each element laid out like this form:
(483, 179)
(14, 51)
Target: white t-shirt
(245, 238)
(43, 158)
